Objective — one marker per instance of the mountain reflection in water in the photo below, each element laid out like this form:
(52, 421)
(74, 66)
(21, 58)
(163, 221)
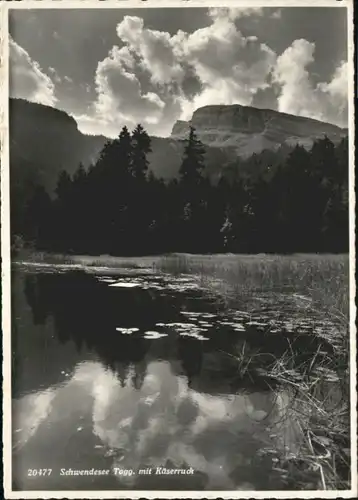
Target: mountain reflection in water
(87, 395)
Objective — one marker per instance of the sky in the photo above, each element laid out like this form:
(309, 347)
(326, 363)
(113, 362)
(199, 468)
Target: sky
(114, 67)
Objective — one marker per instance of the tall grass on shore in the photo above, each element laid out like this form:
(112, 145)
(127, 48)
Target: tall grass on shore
(318, 405)
(323, 279)
(85, 261)
(318, 385)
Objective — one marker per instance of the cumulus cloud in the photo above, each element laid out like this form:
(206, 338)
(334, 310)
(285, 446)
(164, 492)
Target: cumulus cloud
(234, 13)
(120, 91)
(120, 97)
(335, 95)
(27, 79)
(231, 68)
(326, 101)
(157, 78)
(155, 50)
(57, 78)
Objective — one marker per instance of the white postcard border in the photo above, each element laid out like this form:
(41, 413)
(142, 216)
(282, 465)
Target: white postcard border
(5, 245)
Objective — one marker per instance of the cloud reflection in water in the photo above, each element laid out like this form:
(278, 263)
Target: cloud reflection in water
(162, 422)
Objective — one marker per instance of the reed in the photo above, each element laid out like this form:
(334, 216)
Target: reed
(318, 387)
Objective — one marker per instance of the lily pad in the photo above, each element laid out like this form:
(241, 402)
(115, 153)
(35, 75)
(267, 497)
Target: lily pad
(127, 331)
(152, 335)
(125, 284)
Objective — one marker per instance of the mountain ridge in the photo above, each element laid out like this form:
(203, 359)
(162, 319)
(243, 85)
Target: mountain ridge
(45, 140)
(250, 130)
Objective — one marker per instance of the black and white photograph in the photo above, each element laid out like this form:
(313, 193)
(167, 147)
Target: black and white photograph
(178, 249)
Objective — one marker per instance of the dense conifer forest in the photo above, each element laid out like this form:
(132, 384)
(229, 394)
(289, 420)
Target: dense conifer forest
(266, 203)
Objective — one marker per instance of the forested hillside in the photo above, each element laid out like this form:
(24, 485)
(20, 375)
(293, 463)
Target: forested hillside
(286, 201)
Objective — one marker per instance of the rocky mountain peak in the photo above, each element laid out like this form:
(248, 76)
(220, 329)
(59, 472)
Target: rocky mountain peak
(250, 130)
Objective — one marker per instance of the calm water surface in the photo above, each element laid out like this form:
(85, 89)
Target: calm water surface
(135, 371)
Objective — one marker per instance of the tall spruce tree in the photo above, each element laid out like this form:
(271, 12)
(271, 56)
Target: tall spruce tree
(140, 149)
(298, 200)
(139, 212)
(124, 151)
(63, 186)
(108, 194)
(193, 193)
(39, 219)
(63, 211)
(324, 168)
(193, 161)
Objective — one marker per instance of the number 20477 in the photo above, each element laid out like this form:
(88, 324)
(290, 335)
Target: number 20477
(39, 472)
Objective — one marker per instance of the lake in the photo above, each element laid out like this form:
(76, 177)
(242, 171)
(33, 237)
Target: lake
(132, 372)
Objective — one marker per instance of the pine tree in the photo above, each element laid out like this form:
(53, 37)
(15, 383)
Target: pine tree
(141, 148)
(138, 214)
(123, 159)
(80, 175)
(194, 192)
(108, 188)
(323, 172)
(64, 185)
(298, 198)
(39, 218)
(79, 221)
(336, 214)
(193, 161)
(63, 210)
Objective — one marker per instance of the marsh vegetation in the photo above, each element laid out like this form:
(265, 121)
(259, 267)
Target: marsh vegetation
(303, 353)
